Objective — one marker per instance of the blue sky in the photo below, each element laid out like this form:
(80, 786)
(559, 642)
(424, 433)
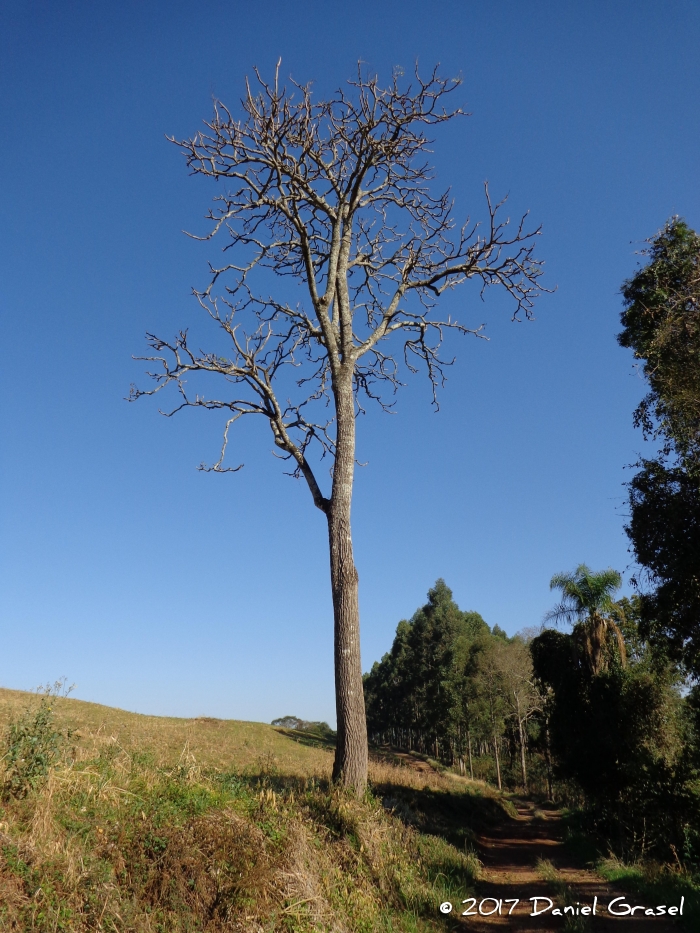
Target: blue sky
(164, 590)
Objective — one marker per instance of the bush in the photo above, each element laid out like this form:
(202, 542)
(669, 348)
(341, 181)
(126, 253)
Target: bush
(32, 745)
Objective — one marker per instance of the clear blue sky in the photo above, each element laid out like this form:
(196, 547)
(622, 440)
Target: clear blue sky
(160, 589)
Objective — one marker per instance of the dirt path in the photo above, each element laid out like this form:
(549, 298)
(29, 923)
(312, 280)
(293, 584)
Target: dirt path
(411, 761)
(513, 856)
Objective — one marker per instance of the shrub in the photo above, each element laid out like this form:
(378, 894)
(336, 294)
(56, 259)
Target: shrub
(33, 743)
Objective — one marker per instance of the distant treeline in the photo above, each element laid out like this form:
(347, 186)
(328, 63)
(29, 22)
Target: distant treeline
(321, 729)
(599, 717)
(452, 688)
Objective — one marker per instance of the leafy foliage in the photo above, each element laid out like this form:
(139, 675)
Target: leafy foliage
(664, 529)
(661, 324)
(448, 684)
(584, 592)
(415, 689)
(33, 744)
(587, 601)
(620, 733)
(321, 729)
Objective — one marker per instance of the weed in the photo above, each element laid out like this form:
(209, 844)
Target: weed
(654, 883)
(33, 744)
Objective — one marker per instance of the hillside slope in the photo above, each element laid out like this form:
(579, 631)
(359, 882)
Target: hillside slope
(155, 824)
(214, 743)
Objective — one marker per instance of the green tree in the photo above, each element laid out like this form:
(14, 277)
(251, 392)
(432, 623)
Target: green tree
(587, 602)
(415, 695)
(449, 682)
(488, 691)
(664, 530)
(661, 324)
(620, 735)
(437, 630)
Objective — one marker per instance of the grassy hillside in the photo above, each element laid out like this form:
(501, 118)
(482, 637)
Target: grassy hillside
(213, 743)
(160, 824)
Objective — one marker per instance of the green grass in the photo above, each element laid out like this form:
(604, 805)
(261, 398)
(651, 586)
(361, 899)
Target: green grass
(153, 825)
(656, 884)
(651, 882)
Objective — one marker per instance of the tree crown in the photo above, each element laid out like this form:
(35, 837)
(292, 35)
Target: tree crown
(661, 324)
(585, 592)
(333, 195)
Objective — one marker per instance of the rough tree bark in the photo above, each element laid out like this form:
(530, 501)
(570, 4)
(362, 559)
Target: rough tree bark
(350, 765)
(333, 195)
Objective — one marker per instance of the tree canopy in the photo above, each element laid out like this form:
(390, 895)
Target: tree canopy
(587, 601)
(621, 737)
(449, 683)
(661, 324)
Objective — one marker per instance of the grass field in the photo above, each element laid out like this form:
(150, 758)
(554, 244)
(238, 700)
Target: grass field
(213, 743)
(158, 824)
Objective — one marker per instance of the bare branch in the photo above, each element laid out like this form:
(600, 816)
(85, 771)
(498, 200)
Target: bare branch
(334, 196)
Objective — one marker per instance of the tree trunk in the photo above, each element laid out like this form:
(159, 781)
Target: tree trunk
(523, 769)
(548, 759)
(469, 749)
(498, 763)
(350, 766)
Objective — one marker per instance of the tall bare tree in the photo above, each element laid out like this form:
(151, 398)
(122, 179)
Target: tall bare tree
(522, 699)
(334, 195)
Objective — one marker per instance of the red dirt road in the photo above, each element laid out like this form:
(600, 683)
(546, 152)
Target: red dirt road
(510, 854)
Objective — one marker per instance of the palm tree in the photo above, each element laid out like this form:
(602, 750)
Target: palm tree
(587, 602)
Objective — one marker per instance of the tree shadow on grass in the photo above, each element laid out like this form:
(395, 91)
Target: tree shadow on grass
(309, 739)
(445, 823)
(456, 816)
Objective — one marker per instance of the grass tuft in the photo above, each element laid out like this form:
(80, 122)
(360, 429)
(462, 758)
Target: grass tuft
(565, 897)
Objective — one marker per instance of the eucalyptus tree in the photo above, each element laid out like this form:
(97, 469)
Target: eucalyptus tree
(520, 694)
(334, 196)
(489, 693)
(587, 602)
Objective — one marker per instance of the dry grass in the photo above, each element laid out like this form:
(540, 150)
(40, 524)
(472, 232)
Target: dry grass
(154, 824)
(214, 743)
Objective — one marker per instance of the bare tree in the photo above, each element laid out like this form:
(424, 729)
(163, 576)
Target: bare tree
(522, 699)
(333, 195)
